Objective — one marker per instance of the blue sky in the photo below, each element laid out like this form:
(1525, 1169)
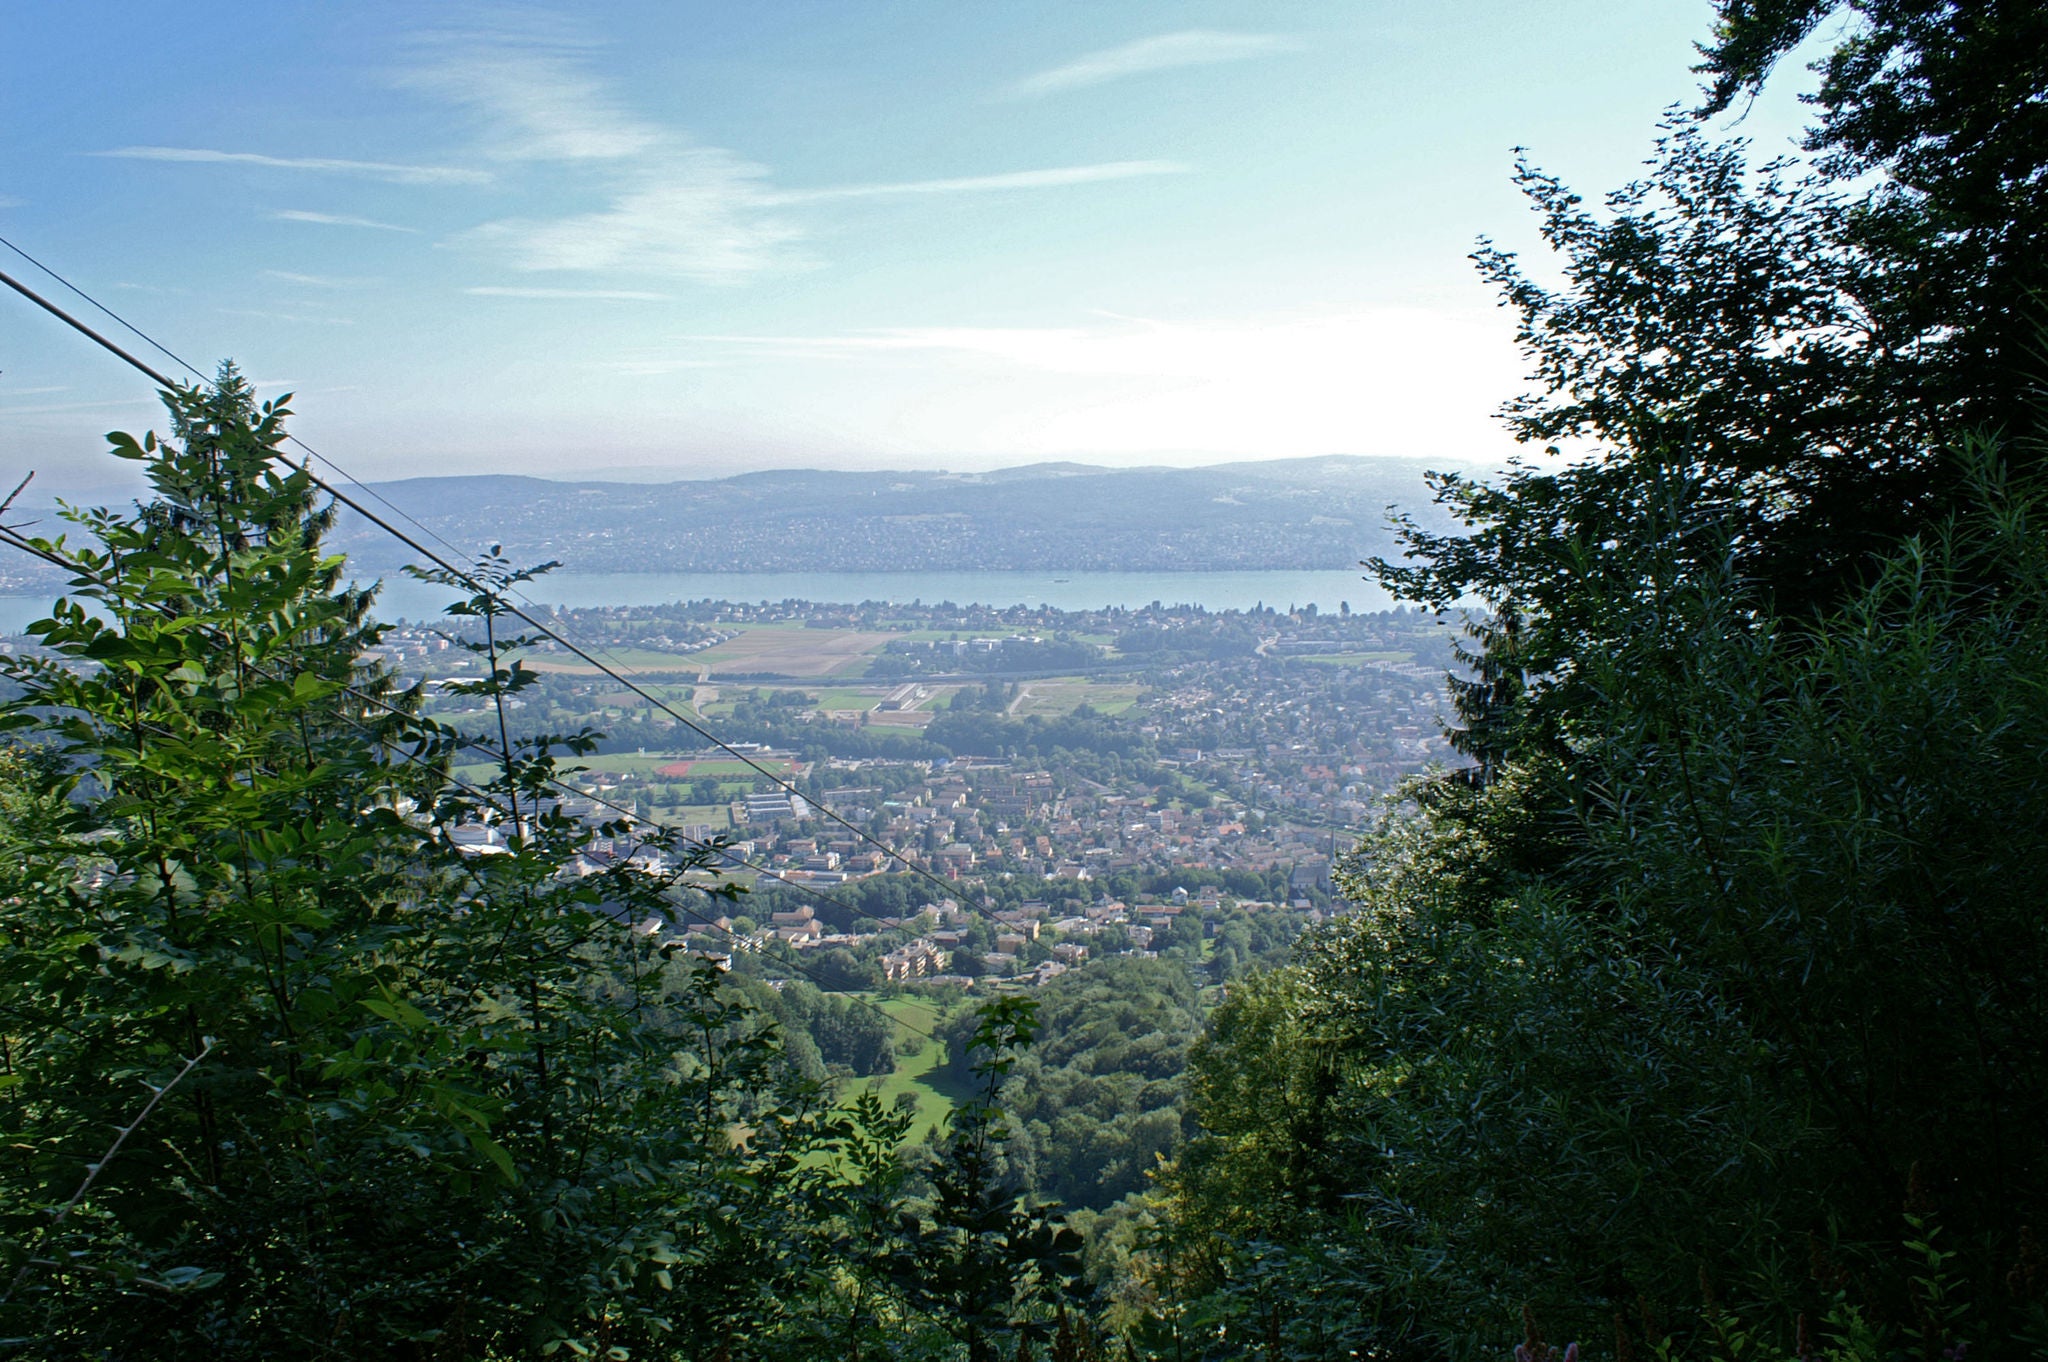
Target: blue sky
(697, 238)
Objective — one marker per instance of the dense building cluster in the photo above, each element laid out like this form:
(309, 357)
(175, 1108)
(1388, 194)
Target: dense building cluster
(1217, 761)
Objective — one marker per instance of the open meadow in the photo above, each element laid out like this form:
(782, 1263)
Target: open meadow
(917, 1066)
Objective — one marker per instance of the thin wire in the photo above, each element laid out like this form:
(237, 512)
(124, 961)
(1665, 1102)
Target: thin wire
(329, 460)
(130, 327)
(12, 537)
(332, 463)
(464, 576)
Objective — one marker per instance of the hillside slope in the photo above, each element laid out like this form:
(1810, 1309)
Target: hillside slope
(1291, 514)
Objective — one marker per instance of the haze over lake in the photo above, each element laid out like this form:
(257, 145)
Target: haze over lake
(1064, 591)
(403, 598)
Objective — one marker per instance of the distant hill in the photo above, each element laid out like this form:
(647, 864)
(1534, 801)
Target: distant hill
(1327, 512)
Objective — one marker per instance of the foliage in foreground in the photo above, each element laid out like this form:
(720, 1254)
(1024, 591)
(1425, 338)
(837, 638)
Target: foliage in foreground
(1698, 1002)
(378, 1097)
(1731, 934)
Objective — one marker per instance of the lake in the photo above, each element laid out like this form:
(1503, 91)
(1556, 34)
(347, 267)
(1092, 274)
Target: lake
(403, 598)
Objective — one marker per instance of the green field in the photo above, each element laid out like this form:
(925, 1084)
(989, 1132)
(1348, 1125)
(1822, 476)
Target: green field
(717, 815)
(639, 764)
(916, 1066)
(1065, 694)
(845, 697)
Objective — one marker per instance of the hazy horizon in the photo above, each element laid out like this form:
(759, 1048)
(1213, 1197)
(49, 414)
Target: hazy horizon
(685, 241)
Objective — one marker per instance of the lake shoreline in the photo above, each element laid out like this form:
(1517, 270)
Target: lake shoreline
(401, 598)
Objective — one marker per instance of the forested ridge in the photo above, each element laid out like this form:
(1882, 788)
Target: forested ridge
(1700, 1016)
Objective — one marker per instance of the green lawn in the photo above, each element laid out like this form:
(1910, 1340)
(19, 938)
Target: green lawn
(633, 763)
(717, 815)
(916, 1065)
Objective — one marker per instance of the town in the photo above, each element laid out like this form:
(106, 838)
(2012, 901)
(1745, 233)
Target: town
(962, 794)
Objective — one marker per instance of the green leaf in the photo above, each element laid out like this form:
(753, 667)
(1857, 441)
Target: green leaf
(397, 1010)
(496, 1153)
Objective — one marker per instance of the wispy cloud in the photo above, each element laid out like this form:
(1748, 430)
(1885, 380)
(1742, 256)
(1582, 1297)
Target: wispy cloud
(9, 201)
(1054, 178)
(533, 97)
(389, 171)
(1165, 52)
(672, 207)
(336, 220)
(692, 213)
(667, 205)
(613, 295)
(315, 280)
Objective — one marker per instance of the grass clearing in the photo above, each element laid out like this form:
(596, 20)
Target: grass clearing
(905, 718)
(1064, 694)
(917, 1069)
(719, 816)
